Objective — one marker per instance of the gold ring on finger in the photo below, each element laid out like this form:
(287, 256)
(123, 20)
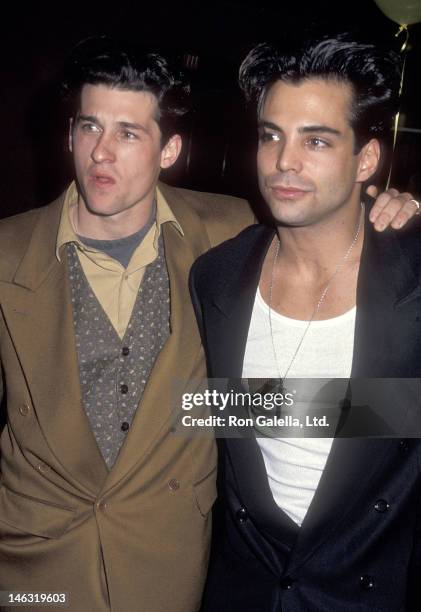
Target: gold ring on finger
(417, 204)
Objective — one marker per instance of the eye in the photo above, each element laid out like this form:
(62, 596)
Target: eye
(269, 137)
(89, 127)
(317, 143)
(128, 135)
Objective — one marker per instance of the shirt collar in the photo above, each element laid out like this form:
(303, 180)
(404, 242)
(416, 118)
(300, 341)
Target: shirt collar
(66, 234)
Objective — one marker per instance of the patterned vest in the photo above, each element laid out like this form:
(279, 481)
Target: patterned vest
(114, 372)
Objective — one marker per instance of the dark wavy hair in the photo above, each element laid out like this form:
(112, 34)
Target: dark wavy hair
(124, 65)
(373, 74)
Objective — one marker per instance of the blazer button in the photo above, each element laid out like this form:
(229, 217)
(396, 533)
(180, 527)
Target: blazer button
(286, 582)
(102, 505)
(242, 515)
(403, 445)
(24, 409)
(43, 468)
(174, 484)
(367, 582)
(381, 505)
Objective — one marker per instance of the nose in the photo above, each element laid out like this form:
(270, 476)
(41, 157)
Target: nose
(103, 150)
(289, 158)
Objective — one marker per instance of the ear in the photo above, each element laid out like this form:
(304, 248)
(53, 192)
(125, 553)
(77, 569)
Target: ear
(70, 135)
(369, 158)
(171, 151)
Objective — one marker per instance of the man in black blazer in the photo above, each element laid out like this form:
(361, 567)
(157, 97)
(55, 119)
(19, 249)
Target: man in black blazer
(316, 524)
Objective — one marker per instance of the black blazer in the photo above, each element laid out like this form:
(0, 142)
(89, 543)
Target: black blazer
(359, 547)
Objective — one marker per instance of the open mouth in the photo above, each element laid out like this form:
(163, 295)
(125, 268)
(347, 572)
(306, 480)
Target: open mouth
(102, 180)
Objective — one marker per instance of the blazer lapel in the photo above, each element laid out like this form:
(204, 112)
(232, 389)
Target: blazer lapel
(37, 310)
(229, 308)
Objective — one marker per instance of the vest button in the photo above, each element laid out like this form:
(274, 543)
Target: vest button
(102, 505)
(173, 484)
(124, 389)
(125, 351)
(367, 582)
(381, 505)
(125, 426)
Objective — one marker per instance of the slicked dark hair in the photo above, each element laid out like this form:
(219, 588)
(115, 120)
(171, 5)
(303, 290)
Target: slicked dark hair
(123, 65)
(373, 74)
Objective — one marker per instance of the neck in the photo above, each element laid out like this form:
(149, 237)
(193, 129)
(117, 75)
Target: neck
(110, 227)
(303, 281)
(315, 249)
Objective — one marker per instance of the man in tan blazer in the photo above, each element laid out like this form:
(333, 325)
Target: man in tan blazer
(118, 521)
(101, 505)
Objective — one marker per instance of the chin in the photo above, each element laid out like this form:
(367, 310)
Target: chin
(100, 204)
(288, 214)
(100, 210)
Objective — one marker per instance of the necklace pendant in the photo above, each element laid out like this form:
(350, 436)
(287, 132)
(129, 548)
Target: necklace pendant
(273, 385)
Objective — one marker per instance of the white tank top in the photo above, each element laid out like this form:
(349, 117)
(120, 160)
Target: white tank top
(294, 466)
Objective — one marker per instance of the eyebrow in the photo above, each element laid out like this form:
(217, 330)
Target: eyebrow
(319, 129)
(89, 118)
(133, 126)
(124, 124)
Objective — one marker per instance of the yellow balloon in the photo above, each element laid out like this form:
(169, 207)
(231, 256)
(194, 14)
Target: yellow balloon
(403, 12)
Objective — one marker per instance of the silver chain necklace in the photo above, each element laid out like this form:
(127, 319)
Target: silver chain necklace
(342, 262)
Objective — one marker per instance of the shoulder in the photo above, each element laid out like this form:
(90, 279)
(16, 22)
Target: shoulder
(229, 257)
(410, 245)
(222, 216)
(16, 233)
(410, 238)
(208, 204)
(10, 226)
(400, 245)
(403, 244)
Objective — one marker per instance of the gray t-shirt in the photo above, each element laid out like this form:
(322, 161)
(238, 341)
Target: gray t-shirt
(121, 249)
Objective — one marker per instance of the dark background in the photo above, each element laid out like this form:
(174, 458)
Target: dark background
(213, 36)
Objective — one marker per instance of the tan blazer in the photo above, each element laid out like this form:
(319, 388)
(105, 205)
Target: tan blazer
(135, 538)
